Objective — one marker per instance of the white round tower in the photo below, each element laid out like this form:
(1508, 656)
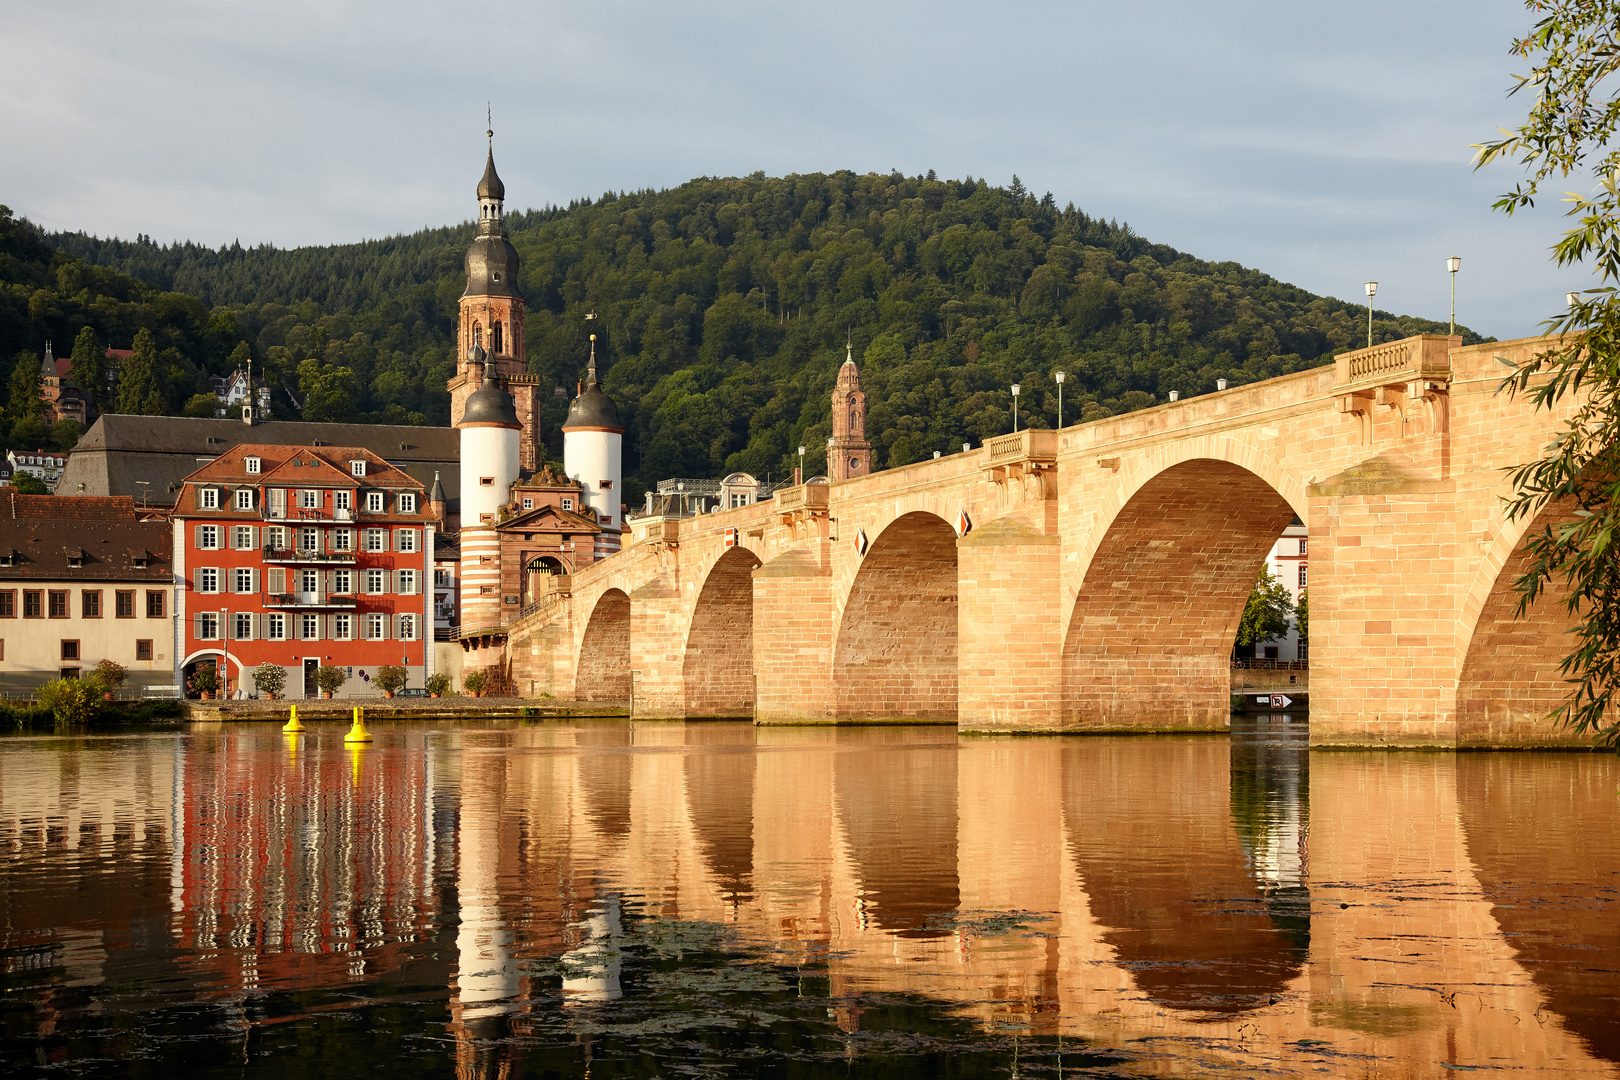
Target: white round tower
(489, 439)
(593, 455)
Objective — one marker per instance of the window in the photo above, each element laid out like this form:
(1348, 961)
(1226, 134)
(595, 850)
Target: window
(58, 602)
(207, 625)
(342, 581)
(405, 502)
(275, 579)
(1271, 652)
(486, 481)
(309, 581)
(441, 579)
(70, 649)
(208, 537)
(242, 538)
(309, 539)
(8, 604)
(1304, 649)
(357, 468)
(156, 606)
(1302, 547)
(244, 498)
(343, 627)
(739, 498)
(528, 504)
(374, 502)
(568, 504)
(376, 540)
(407, 582)
(242, 626)
(376, 581)
(340, 499)
(33, 604)
(275, 537)
(143, 649)
(376, 627)
(405, 540)
(1302, 577)
(243, 579)
(407, 627)
(210, 498)
(90, 604)
(252, 464)
(309, 499)
(124, 604)
(68, 673)
(342, 540)
(310, 628)
(207, 579)
(275, 627)
(605, 485)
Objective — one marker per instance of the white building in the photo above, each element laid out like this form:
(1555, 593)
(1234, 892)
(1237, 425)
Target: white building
(41, 463)
(1287, 563)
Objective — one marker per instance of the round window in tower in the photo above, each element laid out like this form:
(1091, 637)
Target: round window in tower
(854, 463)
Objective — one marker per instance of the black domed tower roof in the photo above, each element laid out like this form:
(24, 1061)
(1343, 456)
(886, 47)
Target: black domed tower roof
(489, 404)
(592, 408)
(490, 187)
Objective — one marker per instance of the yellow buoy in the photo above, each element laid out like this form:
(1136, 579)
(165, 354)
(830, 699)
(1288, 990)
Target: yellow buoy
(292, 725)
(358, 732)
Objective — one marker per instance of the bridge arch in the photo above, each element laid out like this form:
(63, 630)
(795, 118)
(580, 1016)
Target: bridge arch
(1165, 579)
(602, 672)
(718, 666)
(1508, 667)
(895, 656)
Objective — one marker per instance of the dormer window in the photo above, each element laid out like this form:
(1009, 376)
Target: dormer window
(374, 502)
(141, 561)
(210, 498)
(76, 559)
(357, 468)
(407, 502)
(252, 465)
(244, 498)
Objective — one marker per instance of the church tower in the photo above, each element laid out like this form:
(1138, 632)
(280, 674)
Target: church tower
(492, 319)
(850, 453)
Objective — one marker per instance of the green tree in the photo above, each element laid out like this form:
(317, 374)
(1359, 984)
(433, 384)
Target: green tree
(89, 358)
(1267, 613)
(1570, 130)
(1302, 616)
(65, 434)
(138, 392)
(27, 483)
(201, 406)
(72, 701)
(330, 392)
(24, 388)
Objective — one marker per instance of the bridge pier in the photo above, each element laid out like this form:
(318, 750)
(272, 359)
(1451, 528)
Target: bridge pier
(1010, 628)
(658, 684)
(794, 627)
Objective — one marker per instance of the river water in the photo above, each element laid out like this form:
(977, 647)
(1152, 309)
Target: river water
(610, 899)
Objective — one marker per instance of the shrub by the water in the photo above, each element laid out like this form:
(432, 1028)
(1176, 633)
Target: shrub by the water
(474, 682)
(390, 678)
(329, 678)
(438, 683)
(111, 674)
(269, 678)
(72, 701)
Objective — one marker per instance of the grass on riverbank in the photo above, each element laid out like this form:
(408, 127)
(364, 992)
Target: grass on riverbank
(32, 716)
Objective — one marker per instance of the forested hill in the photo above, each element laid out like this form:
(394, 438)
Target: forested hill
(723, 307)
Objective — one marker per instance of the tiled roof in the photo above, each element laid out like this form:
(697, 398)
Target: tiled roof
(43, 534)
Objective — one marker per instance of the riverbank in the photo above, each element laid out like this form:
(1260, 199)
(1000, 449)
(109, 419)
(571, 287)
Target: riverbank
(484, 708)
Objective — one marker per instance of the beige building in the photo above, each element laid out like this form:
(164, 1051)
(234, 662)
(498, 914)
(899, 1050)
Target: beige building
(82, 579)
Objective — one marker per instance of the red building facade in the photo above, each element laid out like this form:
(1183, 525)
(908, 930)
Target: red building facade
(304, 557)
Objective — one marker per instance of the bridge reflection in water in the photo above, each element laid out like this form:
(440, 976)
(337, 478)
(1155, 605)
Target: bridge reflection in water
(1235, 904)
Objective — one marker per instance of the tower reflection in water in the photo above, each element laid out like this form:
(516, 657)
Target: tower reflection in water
(564, 893)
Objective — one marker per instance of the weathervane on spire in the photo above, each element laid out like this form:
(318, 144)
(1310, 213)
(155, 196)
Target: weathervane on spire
(489, 123)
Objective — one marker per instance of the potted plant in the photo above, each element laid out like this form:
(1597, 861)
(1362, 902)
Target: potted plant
(474, 682)
(111, 675)
(328, 679)
(203, 683)
(438, 684)
(269, 679)
(390, 679)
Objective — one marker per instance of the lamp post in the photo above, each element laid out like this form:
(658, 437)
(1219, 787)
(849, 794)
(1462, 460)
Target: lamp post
(798, 477)
(1016, 388)
(1058, 375)
(1372, 291)
(1453, 264)
(224, 657)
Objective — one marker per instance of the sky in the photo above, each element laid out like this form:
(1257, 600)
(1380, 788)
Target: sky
(1323, 144)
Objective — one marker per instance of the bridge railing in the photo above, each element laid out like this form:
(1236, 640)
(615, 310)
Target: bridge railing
(1029, 444)
(1426, 356)
(802, 497)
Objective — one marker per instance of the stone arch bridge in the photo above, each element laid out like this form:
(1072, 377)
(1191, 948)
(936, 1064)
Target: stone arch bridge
(1092, 579)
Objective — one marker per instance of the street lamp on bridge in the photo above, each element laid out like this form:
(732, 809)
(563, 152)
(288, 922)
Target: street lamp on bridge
(1015, 388)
